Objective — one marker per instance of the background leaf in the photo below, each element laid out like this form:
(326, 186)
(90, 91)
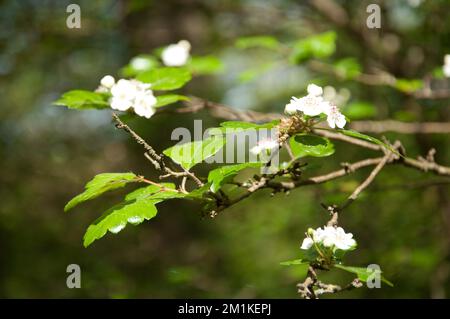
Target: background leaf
(263, 41)
(316, 46)
(204, 65)
(360, 110)
(347, 68)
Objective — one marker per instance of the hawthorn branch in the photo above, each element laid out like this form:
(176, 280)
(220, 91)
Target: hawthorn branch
(196, 104)
(156, 159)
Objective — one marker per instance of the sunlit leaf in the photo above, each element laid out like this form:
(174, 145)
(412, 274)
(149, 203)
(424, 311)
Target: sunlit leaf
(192, 153)
(221, 175)
(81, 99)
(101, 184)
(264, 41)
(363, 273)
(310, 145)
(162, 100)
(166, 78)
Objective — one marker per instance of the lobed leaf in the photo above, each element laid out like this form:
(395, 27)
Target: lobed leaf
(167, 99)
(362, 273)
(166, 78)
(192, 153)
(220, 176)
(99, 185)
(81, 99)
(310, 145)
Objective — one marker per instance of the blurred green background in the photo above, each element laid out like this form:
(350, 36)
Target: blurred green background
(48, 153)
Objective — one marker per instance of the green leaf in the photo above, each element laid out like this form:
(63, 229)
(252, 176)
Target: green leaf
(192, 153)
(138, 206)
(264, 41)
(408, 86)
(438, 72)
(362, 273)
(317, 46)
(101, 184)
(204, 65)
(200, 193)
(310, 145)
(154, 192)
(360, 110)
(367, 138)
(220, 176)
(348, 68)
(248, 125)
(81, 99)
(162, 100)
(294, 262)
(117, 217)
(253, 73)
(167, 78)
(139, 64)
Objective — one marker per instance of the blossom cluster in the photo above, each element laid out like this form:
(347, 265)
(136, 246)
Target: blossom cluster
(330, 237)
(126, 94)
(314, 104)
(446, 67)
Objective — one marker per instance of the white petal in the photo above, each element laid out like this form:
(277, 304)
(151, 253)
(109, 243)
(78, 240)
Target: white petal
(176, 54)
(140, 64)
(107, 81)
(447, 59)
(446, 70)
(290, 109)
(341, 121)
(307, 243)
(120, 104)
(314, 90)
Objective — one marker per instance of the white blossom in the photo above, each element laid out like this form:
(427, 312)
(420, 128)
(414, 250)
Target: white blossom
(140, 63)
(291, 108)
(133, 94)
(343, 240)
(266, 145)
(334, 117)
(314, 90)
(307, 243)
(446, 67)
(123, 93)
(107, 81)
(314, 104)
(144, 103)
(331, 237)
(176, 54)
